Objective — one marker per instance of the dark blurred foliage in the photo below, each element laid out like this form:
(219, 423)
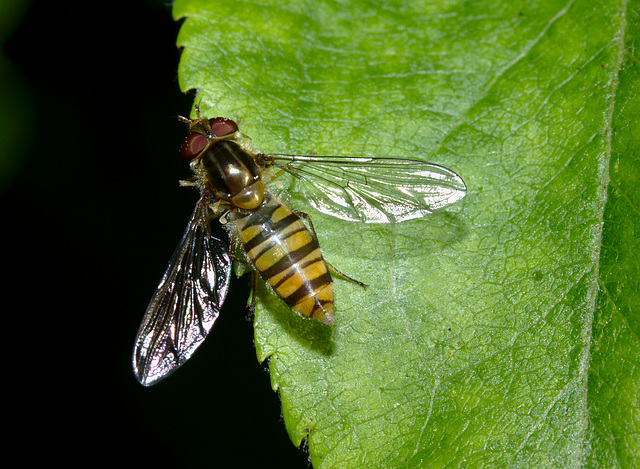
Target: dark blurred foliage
(92, 212)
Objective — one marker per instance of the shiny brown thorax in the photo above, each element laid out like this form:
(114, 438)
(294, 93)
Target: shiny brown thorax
(233, 175)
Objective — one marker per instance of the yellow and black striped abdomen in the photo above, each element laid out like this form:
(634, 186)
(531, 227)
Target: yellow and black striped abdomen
(288, 258)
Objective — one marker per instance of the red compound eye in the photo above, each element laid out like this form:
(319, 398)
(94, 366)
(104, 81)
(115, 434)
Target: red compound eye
(221, 126)
(192, 146)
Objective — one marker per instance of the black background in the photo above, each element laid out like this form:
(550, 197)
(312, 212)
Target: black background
(91, 215)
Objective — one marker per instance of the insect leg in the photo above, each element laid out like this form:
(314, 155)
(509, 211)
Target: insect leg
(346, 277)
(331, 268)
(191, 182)
(308, 218)
(254, 293)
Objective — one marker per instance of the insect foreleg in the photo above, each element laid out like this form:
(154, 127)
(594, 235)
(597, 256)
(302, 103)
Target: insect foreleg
(191, 182)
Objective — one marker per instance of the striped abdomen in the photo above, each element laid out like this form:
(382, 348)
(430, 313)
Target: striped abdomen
(288, 258)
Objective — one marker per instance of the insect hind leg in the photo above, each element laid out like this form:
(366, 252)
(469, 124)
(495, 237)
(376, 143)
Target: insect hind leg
(346, 277)
(254, 293)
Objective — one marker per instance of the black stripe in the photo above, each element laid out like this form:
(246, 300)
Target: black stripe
(293, 258)
(221, 158)
(293, 272)
(308, 288)
(280, 225)
(268, 230)
(219, 153)
(233, 149)
(273, 241)
(258, 239)
(319, 310)
(260, 216)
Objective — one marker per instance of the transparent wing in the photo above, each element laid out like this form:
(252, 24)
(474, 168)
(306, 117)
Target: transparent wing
(372, 190)
(186, 303)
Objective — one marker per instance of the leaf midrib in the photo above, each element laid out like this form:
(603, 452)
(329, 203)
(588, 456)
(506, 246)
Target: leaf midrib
(605, 179)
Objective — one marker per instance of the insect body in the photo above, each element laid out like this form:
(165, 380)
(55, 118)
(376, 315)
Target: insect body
(288, 257)
(276, 241)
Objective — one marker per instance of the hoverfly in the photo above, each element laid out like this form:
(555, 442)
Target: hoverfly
(231, 179)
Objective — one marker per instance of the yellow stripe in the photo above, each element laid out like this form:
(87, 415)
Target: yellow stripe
(268, 258)
(280, 213)
(286, 288)
(247, 234)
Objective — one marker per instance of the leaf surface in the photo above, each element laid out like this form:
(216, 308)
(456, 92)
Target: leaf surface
(504, 331)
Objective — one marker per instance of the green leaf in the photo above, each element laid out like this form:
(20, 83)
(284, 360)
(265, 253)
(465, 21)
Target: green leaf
(504, 331)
